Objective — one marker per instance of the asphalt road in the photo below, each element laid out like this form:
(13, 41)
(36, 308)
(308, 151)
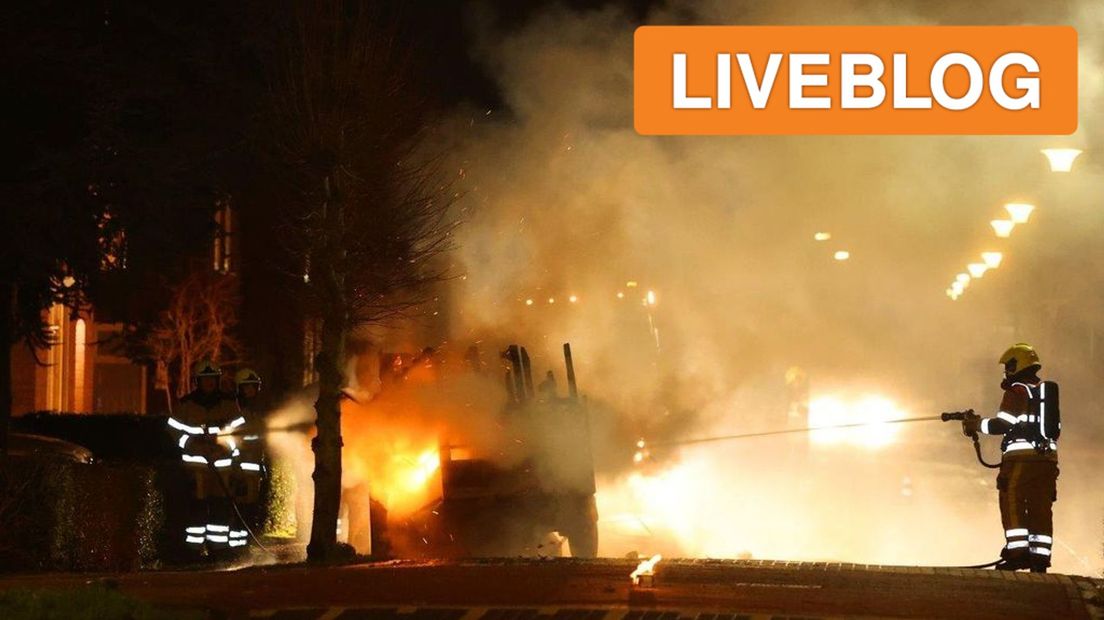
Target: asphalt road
(565, 589)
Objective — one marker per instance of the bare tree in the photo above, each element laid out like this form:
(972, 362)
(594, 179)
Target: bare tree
(198, 323)
(366, 216)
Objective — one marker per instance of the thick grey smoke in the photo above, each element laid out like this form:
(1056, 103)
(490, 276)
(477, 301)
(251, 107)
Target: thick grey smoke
(567, 200)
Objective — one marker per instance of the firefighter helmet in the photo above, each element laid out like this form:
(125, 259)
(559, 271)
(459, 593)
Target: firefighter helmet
(1019, 357)
(206, 368)
(245, 376)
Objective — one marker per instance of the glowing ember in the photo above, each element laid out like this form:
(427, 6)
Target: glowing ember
(645, 571)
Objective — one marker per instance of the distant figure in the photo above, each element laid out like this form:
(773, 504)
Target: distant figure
(547, 388)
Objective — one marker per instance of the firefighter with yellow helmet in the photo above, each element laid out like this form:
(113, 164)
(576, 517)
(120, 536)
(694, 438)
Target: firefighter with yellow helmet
(1029, 423)
(205, 420)
(249, 468)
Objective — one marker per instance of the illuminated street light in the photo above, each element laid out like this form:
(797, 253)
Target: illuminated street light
(1061, 160)
(573, 298)
(1003, 228)
(631, 284)
(977, 270)
(992, 259)
(953, 294)
(528, 302)
(822, 236)
(620, 295)
(963, 279)
(650, 299)
(551, 300)
(1019, 211)
(842, 255)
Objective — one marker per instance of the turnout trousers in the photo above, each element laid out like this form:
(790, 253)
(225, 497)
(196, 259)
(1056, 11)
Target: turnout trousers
(1027, 486)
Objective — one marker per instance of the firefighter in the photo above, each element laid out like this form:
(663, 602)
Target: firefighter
(1027, 482)
(204, 419)
(249, 467)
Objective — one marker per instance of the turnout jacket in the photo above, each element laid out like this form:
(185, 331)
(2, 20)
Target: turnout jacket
(1018, 419)
(200, 419)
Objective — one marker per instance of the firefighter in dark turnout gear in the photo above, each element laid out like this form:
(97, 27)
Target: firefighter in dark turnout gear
(1027, 482)
(205, 420)
(250, 468)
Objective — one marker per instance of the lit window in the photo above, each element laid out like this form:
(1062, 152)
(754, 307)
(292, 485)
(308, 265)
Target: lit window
(224, 235)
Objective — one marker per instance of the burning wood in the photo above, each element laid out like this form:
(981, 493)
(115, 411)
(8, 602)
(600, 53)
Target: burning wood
(644, 575)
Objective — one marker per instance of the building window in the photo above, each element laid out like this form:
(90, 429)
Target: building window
(80, 351)
(56, 360)
(224, 236)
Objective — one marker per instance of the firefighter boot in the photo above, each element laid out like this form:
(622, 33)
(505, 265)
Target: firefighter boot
(1014, 559)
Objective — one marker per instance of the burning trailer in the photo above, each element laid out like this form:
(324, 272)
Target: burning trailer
(506, 472)
(493, 510)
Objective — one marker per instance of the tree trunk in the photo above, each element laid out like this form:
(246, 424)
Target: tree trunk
(7, 338)
(327, 444)
(328, 276)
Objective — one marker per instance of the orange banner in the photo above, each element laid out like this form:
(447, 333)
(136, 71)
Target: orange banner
(718, 80)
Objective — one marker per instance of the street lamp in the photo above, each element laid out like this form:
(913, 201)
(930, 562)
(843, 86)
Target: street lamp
(977, 269)
(1019, 211)
(992, 259)
(1003, 228)
(822, 236)
(962, 279)
(1061, 160)
(841, 255)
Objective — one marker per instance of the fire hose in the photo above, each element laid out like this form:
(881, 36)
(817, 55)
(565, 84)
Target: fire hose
(945, 417)
(687, 442)
(961, 415)
(237, 511)
(301, 427)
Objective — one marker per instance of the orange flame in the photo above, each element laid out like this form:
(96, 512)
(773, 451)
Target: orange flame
(645, 569)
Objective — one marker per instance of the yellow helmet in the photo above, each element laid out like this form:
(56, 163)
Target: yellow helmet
(206, 368)
(246, 375)
(1018, 357)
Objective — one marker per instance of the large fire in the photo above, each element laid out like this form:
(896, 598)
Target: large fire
(394, 435)
(779, 497)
